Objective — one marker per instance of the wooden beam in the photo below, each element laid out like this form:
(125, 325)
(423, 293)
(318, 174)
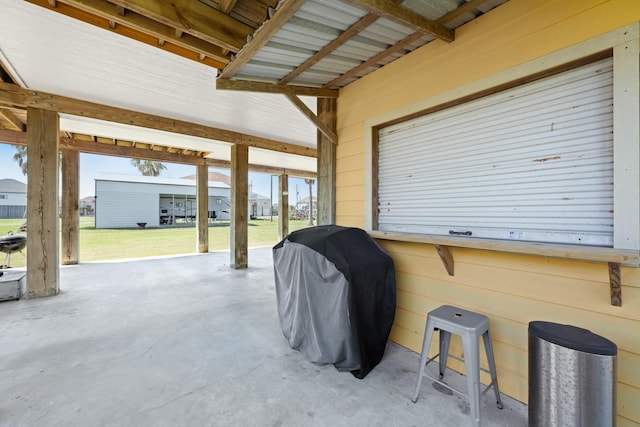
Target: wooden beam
(195, 18)
(189, 52)
(70, 228)
(14, 122)
(373, 60)
(43, 275)
(389, 9)
(466, 7)
(20, 138)
(239, 206)
(327, 114)
(130, 152)
(202, 216)
(105, 9)
(251, 86)
(446, 258)
(13, 137)
(344, 37)
(615, 284)
(14, 96)
(262, 36)
(326, 131)
(283, 206)
(227, 5)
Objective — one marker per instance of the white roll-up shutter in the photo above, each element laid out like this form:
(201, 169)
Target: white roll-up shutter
(534, 162)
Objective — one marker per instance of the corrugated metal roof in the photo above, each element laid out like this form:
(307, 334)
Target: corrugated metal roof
(9, 185)
(319, 22)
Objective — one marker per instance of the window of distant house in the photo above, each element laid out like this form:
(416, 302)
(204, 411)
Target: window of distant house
(534, 162)
(4, 196)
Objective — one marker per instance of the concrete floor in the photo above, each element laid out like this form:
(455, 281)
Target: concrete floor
(186, 341)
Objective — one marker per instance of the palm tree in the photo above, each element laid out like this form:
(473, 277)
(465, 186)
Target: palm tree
(148, 167)
(21, 157)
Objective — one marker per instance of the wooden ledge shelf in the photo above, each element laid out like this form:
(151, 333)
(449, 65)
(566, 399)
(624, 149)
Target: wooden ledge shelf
(614, 258)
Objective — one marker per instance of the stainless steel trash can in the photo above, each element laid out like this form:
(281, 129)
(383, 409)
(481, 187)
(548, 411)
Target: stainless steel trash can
(572, 377)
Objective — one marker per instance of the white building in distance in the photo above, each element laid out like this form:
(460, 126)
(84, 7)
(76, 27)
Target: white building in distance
(123, 201)
(13, 198)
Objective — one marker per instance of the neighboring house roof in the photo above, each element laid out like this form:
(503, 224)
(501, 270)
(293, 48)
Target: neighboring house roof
(9, 185)
(140, 179)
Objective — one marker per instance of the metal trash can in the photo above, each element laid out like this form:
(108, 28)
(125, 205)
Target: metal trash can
(572, 377)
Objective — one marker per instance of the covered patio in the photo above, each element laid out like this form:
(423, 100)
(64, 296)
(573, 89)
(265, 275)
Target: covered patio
(404, 114)
(192, 342)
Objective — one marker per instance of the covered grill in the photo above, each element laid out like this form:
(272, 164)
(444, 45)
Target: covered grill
(336, 296)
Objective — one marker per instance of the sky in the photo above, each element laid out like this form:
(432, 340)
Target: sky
(92, 165)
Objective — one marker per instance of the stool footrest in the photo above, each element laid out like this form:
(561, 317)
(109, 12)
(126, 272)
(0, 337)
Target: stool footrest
(442, 383)
(460, 359)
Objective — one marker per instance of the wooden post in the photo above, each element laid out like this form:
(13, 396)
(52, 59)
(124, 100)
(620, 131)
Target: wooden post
(239, 205)
(283, 206)
(202, 216)
(43, 270)
(70, 235)
(327, 114)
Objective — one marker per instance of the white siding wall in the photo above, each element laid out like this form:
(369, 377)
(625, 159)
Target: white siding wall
(13, 199)
(12, 205)
(123, 204)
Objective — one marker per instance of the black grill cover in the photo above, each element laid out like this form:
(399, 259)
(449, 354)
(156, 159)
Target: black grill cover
(336, 295)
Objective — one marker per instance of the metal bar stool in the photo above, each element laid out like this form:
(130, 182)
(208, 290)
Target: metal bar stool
(470, 326)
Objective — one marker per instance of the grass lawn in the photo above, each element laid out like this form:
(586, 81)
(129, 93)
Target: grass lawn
(105, 244)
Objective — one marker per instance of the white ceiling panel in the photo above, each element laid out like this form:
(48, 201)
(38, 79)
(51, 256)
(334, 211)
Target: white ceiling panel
(280, 160)
(54, 53)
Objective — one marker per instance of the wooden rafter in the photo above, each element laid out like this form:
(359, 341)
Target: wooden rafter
(14, 96)
(344, 37)
(195, 18)
(402, 44)
(322, 127)
(11, 118)
(262, 36)
(392, 10)
(119, 148)
(469, 6)
(227, 5)
(249, 86)
(136, 21)
(182, 49)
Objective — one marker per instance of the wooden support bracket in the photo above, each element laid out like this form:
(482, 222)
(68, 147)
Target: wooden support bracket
(615, 283)
(447, 259)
